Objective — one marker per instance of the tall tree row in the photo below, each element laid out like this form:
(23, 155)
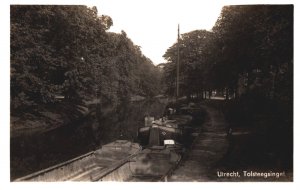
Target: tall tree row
(192, 61)
(249, 50)
(248, 57)
(67, 51)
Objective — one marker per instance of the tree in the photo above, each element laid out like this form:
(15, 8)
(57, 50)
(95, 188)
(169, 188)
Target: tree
(192, 62)
(66, 50)
(244, 32)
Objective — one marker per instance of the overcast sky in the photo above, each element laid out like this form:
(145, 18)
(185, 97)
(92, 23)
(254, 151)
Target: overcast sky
(152, 24)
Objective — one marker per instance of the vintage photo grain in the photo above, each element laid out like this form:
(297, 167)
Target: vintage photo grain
(151, 93)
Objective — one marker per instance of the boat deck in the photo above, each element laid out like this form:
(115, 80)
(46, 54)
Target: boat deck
(92, 166)
(126, 161)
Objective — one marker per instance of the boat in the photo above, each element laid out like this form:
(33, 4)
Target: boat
(120, 160)
(88, 167)
(181, 119)
(174, 127)
(151, 164)
(155, 163)
(167, 129)
(144, 132)
(158, 131)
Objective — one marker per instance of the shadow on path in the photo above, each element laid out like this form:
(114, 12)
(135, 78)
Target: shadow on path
(207, 149)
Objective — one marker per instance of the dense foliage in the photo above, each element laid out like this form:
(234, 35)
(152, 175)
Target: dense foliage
(67, 51)
(248, 58)
(250, 50)
(192, 47)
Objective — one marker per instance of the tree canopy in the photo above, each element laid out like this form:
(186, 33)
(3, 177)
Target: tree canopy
(67, 51)
(249, 50)
(248, 58)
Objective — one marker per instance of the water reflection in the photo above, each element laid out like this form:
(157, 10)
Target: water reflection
(34, 152)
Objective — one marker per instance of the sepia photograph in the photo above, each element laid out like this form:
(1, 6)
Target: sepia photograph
(151, 91)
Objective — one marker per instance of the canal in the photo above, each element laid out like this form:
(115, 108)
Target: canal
(30, 153)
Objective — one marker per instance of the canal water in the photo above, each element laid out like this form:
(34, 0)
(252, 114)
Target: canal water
(31, 153)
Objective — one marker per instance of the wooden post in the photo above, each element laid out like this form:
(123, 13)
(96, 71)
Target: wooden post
(177, 77)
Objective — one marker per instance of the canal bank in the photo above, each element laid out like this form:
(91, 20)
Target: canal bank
(221, 153)
(209, 146)
(30, 153)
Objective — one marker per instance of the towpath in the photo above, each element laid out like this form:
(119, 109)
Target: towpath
(208, 148)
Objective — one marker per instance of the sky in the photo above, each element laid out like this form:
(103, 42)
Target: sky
(152, 24)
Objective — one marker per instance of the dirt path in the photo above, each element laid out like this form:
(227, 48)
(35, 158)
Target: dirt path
(208, 148)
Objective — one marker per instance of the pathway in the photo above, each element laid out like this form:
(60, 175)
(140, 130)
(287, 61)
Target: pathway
(208, 148)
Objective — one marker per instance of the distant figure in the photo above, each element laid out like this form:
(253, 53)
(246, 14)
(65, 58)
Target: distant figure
(154, 137)
(191, 104)
(148, 121)
(170, 111)
(229, 132)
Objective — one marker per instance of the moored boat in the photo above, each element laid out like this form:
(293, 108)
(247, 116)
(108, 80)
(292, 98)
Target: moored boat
(168, 129)
(120, 160)
(88, 167)
(151, 164)
(144, 132)
(154, 163)
(174, 128)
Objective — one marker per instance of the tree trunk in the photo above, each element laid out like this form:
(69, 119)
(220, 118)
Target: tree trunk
(236, 95)
(227, 93)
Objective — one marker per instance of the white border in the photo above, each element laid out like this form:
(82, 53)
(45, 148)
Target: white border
(4, 117)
